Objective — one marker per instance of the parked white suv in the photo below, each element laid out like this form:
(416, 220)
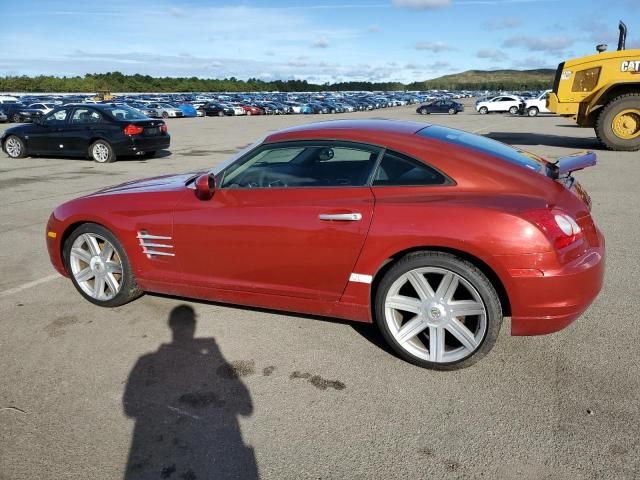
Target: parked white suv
(501, 103)
(534, 106)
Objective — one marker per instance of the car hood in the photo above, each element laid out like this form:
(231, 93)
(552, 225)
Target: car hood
(163, 183)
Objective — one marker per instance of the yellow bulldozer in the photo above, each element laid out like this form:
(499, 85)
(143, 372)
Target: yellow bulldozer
(103, 96)
(602, 91)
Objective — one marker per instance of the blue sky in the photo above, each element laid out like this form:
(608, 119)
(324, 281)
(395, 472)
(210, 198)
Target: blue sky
(317, 40)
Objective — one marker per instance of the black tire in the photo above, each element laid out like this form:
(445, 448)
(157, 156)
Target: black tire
(23, 149)
(533, 111)
(452, 111)
(483, 110)
(165, 115)
(513, 110)
(604, 125)
(16, 118)
(110, 157)
(221, 113)
(456, 265)
(129, 289)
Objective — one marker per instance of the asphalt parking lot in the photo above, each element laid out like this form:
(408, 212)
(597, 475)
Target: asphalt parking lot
(287, 396)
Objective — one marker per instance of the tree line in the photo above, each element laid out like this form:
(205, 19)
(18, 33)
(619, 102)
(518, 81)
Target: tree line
(119, 82)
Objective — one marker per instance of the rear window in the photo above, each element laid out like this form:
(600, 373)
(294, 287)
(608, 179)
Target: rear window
(125, 113)
(486, 145)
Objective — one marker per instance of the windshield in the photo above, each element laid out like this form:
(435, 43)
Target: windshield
(486, 145)
(125, 113)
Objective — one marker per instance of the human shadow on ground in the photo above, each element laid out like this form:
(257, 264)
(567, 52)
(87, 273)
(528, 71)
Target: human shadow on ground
(186, 401)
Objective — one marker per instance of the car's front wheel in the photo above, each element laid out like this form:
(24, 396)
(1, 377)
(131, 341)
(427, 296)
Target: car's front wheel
(14, 147)
(99, 266)
(102, 152)
(452, 111)
(437, 311)
(483, 110)
(513, 110)
(533, 111)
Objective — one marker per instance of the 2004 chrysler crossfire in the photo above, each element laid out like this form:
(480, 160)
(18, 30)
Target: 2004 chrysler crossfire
(432, 233)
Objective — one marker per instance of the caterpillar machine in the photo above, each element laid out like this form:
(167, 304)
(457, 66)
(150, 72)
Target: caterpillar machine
(602, 91)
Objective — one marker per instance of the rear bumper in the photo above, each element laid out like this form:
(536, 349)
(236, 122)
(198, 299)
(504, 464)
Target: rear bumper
(134, 145)
(550, 302)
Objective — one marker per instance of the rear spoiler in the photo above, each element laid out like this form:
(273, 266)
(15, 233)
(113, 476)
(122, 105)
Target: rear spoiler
(577, 161)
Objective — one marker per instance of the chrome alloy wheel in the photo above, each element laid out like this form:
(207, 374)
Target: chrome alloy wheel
(100, 152)
(13, 147)
(96, 266)
(435, 314)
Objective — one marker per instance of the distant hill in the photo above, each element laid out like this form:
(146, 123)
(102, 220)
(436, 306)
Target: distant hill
(491, 80)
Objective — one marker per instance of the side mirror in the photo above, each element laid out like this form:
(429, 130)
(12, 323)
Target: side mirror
(205, 186)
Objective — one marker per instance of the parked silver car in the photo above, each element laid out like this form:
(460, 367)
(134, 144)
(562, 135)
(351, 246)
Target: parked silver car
(165, 110)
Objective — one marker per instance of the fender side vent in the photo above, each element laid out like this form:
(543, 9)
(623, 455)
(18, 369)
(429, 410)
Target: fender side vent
(155, 245)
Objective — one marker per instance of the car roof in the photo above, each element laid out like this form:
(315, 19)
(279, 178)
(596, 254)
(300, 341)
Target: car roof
(354, 129)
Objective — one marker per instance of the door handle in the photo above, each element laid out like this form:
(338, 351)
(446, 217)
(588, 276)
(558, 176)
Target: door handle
(341, 217)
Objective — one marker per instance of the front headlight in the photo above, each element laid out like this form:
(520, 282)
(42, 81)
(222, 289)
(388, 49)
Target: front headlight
(586, 80)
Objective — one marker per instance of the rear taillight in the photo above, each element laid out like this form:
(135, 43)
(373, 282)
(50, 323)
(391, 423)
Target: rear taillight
(560, 227)
(132, 129)
(163, 128)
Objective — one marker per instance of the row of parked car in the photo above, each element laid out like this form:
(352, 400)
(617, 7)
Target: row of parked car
(514, 104)
(26, 108)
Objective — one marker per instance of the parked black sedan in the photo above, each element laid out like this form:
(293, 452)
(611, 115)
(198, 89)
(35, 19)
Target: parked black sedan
(211, 109)
(98, 131)
(441, 106)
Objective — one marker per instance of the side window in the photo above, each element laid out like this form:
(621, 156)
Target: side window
(57, 118)
(303, 165)
(396, 169)
(85, 115)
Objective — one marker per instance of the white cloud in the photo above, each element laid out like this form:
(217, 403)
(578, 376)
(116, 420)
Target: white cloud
(492, 54)
(322, 42)
(434, 47)
(421, 4)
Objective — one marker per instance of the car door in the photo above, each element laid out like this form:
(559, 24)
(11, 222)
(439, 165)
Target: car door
(47, 135)
(289, 219)
(85, 123)
(495, 104)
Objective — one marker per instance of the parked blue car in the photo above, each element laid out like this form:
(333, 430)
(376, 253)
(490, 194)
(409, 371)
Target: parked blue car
(188, 110)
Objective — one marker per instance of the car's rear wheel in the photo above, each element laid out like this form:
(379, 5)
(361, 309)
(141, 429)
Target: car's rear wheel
(513, 110)
(14, 147)
(437, 311)
(102, 152)
(99, 266)
(483, 110)
(533, 111)
(221, 113)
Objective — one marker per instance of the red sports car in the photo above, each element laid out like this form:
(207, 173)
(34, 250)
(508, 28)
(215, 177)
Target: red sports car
(432, 233)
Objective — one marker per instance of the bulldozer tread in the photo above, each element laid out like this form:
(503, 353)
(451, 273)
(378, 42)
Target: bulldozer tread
(603, 129)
